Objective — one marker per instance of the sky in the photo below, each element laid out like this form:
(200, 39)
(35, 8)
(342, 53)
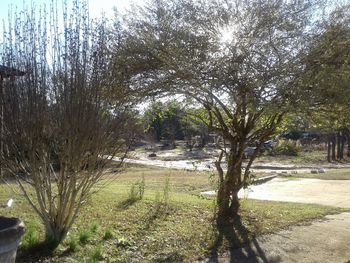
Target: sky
(95, 6)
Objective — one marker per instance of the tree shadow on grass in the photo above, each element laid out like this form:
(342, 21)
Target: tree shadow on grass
(125, 204)
(170, 257)
(237, 235)
(41, 252)
(36, 253)
(159, 211)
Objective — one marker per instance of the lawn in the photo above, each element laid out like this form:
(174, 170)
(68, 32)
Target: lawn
(304, 158)
(169, 224)
(335, 174)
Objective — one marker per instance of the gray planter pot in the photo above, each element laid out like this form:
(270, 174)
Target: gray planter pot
(11, 232)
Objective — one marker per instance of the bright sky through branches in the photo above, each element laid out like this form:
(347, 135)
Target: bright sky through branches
(96, 7)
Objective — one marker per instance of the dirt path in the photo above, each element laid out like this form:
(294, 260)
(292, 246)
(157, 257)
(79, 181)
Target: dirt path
(323, 192)
(313, 191)
(326, 241)
(208, 165)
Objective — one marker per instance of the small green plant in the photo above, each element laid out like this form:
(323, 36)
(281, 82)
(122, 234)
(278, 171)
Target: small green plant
(166, 190)
(163, 197)
(31, 238)
(84, 236)
(157, 198)
(108, 234)
(72, 244)
(137, 190)
(94, 227)
(96, 254)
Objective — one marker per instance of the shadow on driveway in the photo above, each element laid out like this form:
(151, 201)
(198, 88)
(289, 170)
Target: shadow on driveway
(236, 235)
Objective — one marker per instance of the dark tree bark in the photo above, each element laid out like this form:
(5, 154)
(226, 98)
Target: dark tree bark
(229, 186)
(333, 140)
(342, 143)
(329, 148)
(338, 139)
(348, 141)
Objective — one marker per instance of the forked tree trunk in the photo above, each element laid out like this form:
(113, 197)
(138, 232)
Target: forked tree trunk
(228, 205)
(227, 199)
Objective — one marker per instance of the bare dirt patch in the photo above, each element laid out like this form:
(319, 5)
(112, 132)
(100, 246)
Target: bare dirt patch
(316, 191)
(326, 240)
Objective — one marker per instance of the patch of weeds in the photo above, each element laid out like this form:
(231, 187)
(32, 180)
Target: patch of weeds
(166, 190)
(136, 193)
(96, 254)
(91, 260)
(94, 227)
(72, 244)
(137, 190)
(162, 199)
(108, 234)
(84, 236)
(31, 238)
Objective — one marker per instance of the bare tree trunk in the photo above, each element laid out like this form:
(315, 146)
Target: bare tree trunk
(342, 142)
(333, 140)
(348, 141)
(338, 145)
(329, 148)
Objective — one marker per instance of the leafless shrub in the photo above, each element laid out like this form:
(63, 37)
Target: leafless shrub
(60, 128)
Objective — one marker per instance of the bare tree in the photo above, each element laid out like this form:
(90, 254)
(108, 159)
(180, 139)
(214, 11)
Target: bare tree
(60, 129)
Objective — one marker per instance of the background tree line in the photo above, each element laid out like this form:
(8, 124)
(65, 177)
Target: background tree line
(326, 83)
(172, 121)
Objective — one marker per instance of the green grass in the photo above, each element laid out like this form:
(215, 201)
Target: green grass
(108, 234)
(84, 236)
(303, 158)
(336, 174)
(96, 254)
(31, 239)
(151, 230)
(94, 227)
(72, 244)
